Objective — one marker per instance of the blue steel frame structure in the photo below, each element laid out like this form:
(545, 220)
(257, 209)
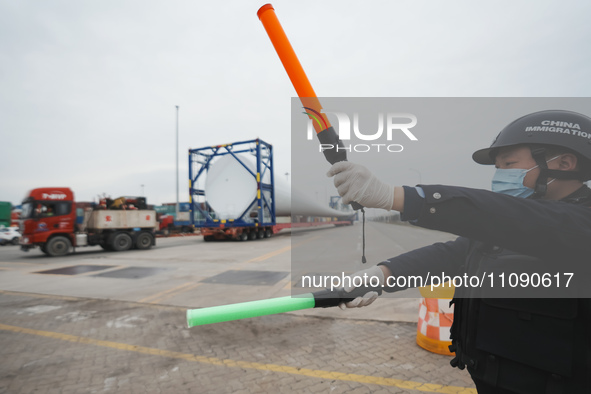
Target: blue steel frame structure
(200, 160)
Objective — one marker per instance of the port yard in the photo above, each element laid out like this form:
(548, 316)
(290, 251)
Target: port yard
(97, 321)
(98, 303)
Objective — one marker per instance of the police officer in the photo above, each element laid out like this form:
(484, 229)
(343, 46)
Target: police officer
(537, 218)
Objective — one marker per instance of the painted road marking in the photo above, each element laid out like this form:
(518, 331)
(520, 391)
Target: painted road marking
(279, 251)
(321, 374)
(19, 262)
(111, 268)
(68, 298)
(175, 293)
(270, 254)
(155, 297)
(36, 295)
(288, 284)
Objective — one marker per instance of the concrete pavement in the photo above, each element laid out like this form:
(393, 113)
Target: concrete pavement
(121, 327)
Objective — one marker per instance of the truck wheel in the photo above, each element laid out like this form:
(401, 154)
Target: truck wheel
(120, 242)
(243, 237)
(144, 241)
(58, 246)
(261, 234)
(208, 238)
(268, 233)
(252, 235)
(15, 241)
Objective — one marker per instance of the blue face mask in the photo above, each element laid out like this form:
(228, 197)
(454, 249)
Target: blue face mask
(510, 181)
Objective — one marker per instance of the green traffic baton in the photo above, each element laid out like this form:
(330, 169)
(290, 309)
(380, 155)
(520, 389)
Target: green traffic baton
(244, 310)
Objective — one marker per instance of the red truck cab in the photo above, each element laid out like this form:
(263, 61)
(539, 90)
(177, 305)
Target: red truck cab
(49, 221)
(47, 212)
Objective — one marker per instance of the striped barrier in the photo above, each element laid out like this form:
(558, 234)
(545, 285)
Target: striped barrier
(435, 319)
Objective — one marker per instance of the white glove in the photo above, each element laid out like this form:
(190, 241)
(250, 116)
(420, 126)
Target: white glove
(356, 183)
(364, 278)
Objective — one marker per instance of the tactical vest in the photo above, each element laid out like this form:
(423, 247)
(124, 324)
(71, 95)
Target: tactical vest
(522, 344)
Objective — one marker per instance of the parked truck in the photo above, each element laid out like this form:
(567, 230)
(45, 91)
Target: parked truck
(5, 214)
(53, 221)
(170, 222)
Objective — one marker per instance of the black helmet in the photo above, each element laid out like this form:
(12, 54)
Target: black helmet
(557, 128)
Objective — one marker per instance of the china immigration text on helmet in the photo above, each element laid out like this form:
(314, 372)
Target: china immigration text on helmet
(541, 130)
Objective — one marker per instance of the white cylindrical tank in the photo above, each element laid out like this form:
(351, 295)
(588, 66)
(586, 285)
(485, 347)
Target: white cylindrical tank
(230, 189)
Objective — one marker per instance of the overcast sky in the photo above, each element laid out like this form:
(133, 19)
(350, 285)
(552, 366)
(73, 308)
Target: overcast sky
(88, 89)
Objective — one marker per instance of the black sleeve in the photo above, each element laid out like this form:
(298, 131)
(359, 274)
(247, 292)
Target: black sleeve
(539, 228)
(413, 203)
(433, 260)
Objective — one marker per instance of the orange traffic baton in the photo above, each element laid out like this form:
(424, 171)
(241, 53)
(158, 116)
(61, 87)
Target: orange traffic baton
(292, 65)
(325, 132)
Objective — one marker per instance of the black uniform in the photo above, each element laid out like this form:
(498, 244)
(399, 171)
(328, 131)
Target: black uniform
(523, 345)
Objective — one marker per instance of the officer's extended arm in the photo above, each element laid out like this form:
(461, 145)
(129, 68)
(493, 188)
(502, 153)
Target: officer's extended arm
(540, 228)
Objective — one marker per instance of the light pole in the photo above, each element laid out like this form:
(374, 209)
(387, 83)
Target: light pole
(142, 190)
(176, 210)
(418, 172)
